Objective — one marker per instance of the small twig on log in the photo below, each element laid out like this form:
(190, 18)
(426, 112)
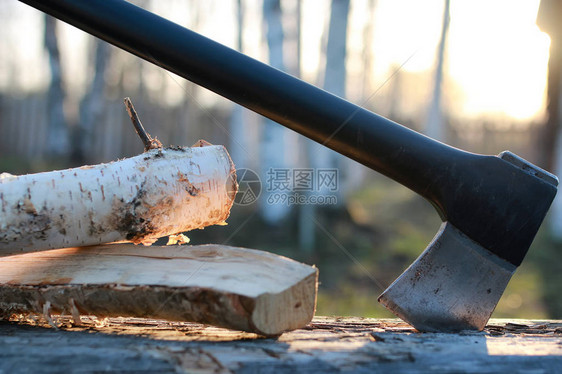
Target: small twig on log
(147, 140)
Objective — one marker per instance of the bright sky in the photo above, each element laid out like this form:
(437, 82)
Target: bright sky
(496, 55)
(496, 59)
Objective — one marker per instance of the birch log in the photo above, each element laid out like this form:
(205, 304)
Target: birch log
(230, 287)
(138, 199)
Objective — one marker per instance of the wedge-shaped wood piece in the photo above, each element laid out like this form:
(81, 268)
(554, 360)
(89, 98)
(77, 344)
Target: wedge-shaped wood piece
(225, 286)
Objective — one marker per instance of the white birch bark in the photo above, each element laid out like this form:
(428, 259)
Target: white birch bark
(138, 199)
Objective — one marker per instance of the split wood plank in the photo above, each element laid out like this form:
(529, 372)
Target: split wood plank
(224, 286)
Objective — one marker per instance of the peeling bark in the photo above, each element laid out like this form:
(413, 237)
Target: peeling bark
(138, 199)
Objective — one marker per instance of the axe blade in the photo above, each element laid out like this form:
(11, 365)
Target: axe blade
(454, 285)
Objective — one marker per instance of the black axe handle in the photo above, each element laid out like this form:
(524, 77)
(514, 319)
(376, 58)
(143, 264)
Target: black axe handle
(492, 201)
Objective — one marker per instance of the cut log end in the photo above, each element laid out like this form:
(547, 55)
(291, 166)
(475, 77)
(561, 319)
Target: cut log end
(298, 305)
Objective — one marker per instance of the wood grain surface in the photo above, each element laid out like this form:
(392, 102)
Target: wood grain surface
(326, 345)
(238, 288)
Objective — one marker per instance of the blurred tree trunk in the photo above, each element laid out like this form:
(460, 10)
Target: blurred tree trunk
(275, 147)
(192, 114)
(367, 55)
(293, 38)
(334, 76)
(551, 142)
(549, 22)
(58, 143)
(434, 127)
(350, 173)
(92, 108)
(238, 133)
(319, 156)
(306, 226)
(395, 94)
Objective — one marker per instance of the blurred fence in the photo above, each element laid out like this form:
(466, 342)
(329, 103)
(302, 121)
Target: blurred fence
(493, 137)
(24, 128)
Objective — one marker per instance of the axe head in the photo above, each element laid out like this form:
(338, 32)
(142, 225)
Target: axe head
(456, 283)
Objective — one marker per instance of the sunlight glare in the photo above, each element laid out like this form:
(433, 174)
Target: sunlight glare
(498, 57)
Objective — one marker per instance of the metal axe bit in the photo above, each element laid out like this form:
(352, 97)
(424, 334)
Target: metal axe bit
(491, 206)
(456, 283)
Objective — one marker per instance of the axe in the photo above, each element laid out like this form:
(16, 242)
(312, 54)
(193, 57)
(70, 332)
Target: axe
(491, 206)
